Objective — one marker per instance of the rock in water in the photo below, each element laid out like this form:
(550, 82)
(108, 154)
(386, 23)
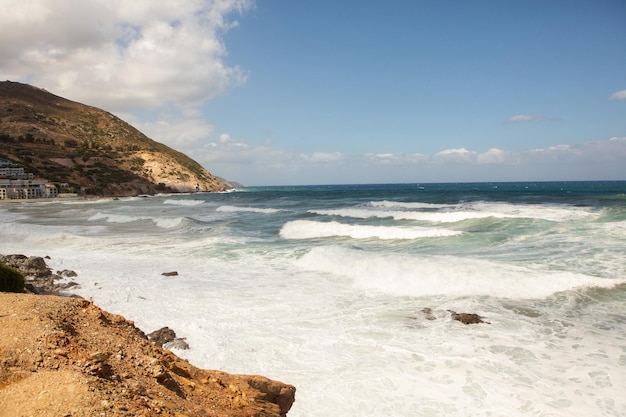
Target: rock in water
(467, 318)
(178, 343)
(162, 336)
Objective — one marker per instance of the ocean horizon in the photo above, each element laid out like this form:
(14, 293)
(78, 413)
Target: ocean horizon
(345, 291)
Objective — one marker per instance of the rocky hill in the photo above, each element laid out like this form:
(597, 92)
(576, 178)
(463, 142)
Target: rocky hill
(62, 357)
(90, 149)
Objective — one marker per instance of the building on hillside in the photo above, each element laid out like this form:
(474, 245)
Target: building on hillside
(15, 172)
(17, 184)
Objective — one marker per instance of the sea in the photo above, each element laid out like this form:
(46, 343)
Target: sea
(346, 291)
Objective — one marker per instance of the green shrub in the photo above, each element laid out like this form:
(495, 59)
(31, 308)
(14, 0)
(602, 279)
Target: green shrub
(10, 279)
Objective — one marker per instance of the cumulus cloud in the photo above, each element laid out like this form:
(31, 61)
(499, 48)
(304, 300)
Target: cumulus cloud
(181, 131)
(618, 95)
(322, 157)
(458, 155)
(519, 118)
(251, 163)
(494, 156)
(118, 54)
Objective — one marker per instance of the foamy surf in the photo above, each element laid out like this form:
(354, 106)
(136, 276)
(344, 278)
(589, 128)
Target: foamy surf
(307, 229)
(187, 203)
(284, 282)
(440, 213)
(235, 209)
(424, 276)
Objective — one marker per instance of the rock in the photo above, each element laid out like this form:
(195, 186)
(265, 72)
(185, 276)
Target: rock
(178, 343)
(467, 318)
(170, 274)
(38, 278)
(162, 336)
(67, 285)
(66, 273)
(275, 392)
(428, 313)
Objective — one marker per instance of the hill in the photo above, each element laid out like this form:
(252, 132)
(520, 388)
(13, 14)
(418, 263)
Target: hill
(91, 149)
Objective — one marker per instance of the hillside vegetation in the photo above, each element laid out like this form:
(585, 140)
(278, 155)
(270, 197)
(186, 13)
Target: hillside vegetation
(91, 149)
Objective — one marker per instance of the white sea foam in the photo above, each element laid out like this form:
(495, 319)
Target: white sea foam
(551, 212)
(162, 222)
(187, 203)
(457, 213)
(347, 314)
(407, 205)
(114, 218)
(169, 222)
(421, 276)
(235, 209)
(435, 217)
(306, 229)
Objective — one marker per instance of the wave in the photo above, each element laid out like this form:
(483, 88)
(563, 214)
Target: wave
(187, 203)
(423, 276)
(407, 205)
(457, 213)
(162, 222)
(307, 229)
(235, 209)
(434, 217)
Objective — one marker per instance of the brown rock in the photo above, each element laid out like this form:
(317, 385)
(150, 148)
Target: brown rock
(467, 318)
(162, 336)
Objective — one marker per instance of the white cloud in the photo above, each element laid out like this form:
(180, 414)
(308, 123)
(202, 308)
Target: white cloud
(524, 118)
(178, 132)
(265, 164)
(120, 54)
(494, 156)
(322, 157)
(618, 95)
(459, 155)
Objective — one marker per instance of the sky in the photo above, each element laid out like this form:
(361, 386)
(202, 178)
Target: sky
(280, 92)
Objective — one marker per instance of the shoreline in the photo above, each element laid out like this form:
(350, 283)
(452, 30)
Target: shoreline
(110, 365)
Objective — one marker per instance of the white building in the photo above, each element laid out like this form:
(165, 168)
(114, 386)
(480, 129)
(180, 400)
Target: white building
(15, 172)
(17, 184)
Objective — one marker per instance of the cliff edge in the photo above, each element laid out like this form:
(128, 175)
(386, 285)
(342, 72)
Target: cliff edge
(66, 357)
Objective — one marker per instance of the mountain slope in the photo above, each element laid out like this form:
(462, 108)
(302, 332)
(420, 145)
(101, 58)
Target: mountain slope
(91, 149)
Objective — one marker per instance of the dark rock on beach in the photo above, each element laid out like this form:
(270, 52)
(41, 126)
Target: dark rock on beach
(170, 274)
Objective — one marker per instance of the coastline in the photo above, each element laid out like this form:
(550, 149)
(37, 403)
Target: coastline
(62, 355)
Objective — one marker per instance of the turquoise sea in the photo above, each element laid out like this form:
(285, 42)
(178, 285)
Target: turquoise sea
(323, 287)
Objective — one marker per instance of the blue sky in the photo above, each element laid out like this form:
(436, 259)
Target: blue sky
(303, 92)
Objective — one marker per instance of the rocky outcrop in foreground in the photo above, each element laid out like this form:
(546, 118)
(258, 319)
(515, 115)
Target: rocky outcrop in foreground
(64, 356)
(38, 277)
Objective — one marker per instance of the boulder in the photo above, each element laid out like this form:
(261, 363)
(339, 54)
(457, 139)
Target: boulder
(467, 318)
(162, 336)
(178, 343)
(274, 391)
